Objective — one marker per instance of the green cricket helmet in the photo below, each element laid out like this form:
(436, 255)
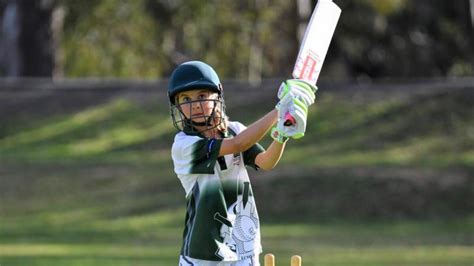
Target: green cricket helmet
(190, 76)
(193, 75)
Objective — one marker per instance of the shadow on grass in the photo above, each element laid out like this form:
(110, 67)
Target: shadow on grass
(364, 194)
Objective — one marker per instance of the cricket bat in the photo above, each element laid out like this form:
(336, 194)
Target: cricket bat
(315, 44)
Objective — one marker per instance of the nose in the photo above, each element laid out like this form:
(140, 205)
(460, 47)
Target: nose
(196, 105)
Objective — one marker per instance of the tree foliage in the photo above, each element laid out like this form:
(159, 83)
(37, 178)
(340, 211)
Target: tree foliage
(109, 38)
(406, 38)
(147, 38)
(254, 39)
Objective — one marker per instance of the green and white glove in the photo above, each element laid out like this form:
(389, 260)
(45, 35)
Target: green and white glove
(299, 89)
(278, 131)
(298, 111)
(278, 135)
(294, 107)
(295, 97)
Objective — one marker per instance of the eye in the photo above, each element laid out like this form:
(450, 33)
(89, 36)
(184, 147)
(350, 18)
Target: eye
(185, 99)
(202, 96)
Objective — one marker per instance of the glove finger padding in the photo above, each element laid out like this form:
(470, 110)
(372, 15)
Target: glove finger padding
(299, 89)
(299, 112)
(285, 102)
(283, 108)
(310, 88)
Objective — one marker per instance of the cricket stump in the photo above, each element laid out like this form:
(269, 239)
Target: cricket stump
(269, 260)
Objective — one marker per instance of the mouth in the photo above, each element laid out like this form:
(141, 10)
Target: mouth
(198, 116)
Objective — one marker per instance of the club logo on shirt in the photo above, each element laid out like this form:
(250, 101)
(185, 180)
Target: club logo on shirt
(236, 159)
(240, 229)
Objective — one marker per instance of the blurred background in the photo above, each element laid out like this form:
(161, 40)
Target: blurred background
(384, 175)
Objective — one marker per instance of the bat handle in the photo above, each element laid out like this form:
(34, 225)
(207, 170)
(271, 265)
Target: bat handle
(289, 120)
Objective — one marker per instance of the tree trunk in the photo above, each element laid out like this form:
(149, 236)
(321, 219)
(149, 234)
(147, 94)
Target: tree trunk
(26, 44)
(471, 5)
(304, 14)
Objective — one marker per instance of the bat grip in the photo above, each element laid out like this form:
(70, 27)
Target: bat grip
(289, 120)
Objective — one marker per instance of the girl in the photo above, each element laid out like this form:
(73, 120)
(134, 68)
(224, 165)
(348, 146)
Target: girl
(210, 154)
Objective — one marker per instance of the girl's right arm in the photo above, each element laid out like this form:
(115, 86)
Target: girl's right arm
(251, 135)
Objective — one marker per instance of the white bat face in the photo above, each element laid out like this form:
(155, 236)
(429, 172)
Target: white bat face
(315, 44)
(316, 41)
(306, 66)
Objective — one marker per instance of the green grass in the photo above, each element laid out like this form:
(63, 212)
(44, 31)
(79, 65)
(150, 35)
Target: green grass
(115, 214)
(433, 130)
(154, 239)
(372, 183)
(92, 133)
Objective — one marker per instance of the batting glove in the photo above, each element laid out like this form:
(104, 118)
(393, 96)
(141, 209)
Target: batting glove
(298, 88)
(299, 112)
(297, 109)
(278, 135)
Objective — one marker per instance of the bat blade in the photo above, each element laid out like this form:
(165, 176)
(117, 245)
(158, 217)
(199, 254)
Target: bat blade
(316, 40)
(315, 45)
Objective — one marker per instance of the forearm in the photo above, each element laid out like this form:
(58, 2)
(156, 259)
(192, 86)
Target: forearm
(251, 135)
(256, 131)
(268, 159)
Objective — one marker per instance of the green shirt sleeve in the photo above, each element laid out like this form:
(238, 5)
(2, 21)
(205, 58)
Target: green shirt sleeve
(204, 156)
(251, 154)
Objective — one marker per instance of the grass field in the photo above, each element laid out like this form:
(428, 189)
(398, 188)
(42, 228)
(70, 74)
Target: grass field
(381, 182)
(127, 242)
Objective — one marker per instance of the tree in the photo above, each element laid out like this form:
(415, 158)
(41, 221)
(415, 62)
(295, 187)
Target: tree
(404, 39)
(248, 39)
(27, 46)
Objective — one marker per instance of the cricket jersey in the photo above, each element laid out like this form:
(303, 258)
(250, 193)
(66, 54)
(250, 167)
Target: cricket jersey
(221, 221)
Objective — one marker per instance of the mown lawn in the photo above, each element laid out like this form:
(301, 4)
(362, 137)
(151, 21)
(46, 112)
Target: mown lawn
(154, 239)
(89, 213)
(382, 183)
(112, 214)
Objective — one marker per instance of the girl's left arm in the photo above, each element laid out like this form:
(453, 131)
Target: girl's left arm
(268, 159)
